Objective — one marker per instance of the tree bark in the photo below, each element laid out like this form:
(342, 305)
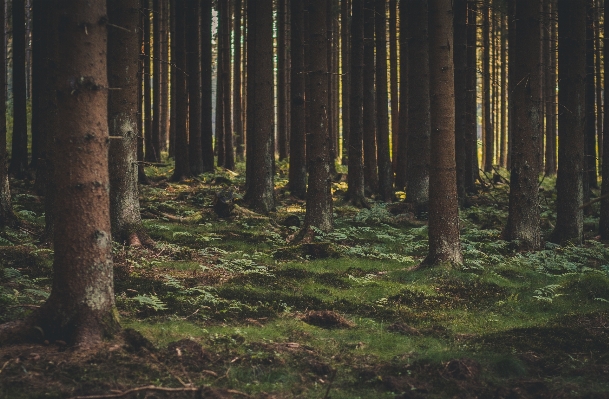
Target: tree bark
(571, 118)
(172, 79)
(460, 54)
(503, 139)
(151, 150)
(489, 149)
(207, 134)
(155, 131)
(220, 123)
(393, 81)
(472, 171)
(345, 48)
(282, 82)
(163, 81)
(523, 219)
(598, 88)
(417, 177)
(195, 148)
(604, 213)
(229, 152)
(444, 244)
(590, 124)
(550, 153)
(402, 149)
(19, 155)
(369, 123)
(237, 97)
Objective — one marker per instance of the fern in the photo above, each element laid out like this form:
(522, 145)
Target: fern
(12, 274)
(151, 301)
(547, 293)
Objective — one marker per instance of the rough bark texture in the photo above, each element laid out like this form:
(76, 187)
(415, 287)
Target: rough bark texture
(370, 173)
(489, 148)
(417, 172)
(503, 141)
(172, 77)
(598, 87)
(182, 166)
(19, 154)
(195, 149)
(471, 153)
(237, 98)
(590, 124)
(81, 307)
(282, 82)
(123, 62)
(207, 134)
(402, 150)
(298, 160)
(150, 149)
(385, 175)
(155, 133)
(393, 80)
(219, 148)
(260, 188)
(444, 244)
(550, 153)
(319, 196)
(604, 214)
(460, 54)
(571, 118)
(163, 81)
(229, 153)
(355, 190)
(523, 219)
(345, 49)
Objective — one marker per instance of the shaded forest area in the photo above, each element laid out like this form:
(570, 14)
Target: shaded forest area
(303, 198)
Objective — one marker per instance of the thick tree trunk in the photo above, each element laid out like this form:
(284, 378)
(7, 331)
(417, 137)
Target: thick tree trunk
(402, 149)
(355, 188)
(331, 49)
(571, 118)
(298, 160)
(207, 134)
(163, 81)
(460, 40)
(219, 149)
(385, 175)
(182, 165)
(444, 244)
(173, 77)
(195, 149)
(81, 307)
(417, 178)
(319, 196)
(489, 148)
(523, 219)
(345, 49)
(369, 123)
(237, 98)
(472, 168)
(19, 155)
(598, 87)
(260, 188)
(393, 81)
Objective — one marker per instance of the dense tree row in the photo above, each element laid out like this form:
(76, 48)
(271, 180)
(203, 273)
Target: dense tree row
(398, 91)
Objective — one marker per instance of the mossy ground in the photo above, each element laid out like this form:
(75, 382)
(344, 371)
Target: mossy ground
(232, 304)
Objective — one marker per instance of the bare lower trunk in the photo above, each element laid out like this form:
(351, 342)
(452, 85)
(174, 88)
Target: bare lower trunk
(7, 216)
(460, 54)
(345, 49)
(207, 134)
(195, 154)
(369, 122)
(19, 154)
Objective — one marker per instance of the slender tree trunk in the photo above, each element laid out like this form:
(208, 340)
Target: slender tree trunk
(195, 148)
(151, 151)
(207, 134)
(417, 185)
(471, 139)
(141, 172)
(571, 119)
(444, 244)
(369, 123)
(332, 91)
(319, 196)
(460, 53)
(19, 156)
(604, 214)
(550, 153)
(345, 47)
(393, 81)
(402, 149)
(590, 125)
(173, 71)
(355, 183)
(260, 188)
(155, 131)
(504, 95)
(597, 76)
(237, 109)
(511, 83)
(523, 219)
(282, 100)
(229, 152)
(385, 175)
(163, 81)
(220, 65)
(182, 165)
(489, 149)
(298, 160)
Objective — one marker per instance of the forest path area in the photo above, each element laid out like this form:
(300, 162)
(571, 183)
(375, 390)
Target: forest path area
(232, 304)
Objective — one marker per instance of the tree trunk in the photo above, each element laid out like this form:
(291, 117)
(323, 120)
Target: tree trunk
(237, 98)
(402, 150)
(444, 244)
(550, 153)
(604, 214)
(332, 88)
(220, 65)
(229, 152)
(460, 40)
(155, 132)
(472, 171)
(172, 80)
(182, 165)
(369, 123)
(207, 134)
(393, 81)
(319, 196)
(489, 149)
(571, 118)
(19, 156)
(151, 151)
(195, 148)
(385, 175)
(355, 182)
(417, 177)
(503, 141)
(590, 124)
(597, 76)
(81, 307)
(163, 81)
(141, 171)
(260, 188)
(523, 219)
(282, 82)
(298, 160)
(345, 47)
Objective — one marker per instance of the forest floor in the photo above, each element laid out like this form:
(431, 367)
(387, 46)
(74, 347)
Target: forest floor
(232, 306)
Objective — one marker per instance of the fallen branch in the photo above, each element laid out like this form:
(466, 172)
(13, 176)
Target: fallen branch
(594, 201)
(152, 388)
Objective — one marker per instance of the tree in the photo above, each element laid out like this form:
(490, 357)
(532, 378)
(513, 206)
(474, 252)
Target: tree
(151, 148)
(219, 149)
(260, 179)
(229, 152)
(523, 219)
(298, 161)
(195, 148)
(155, 133)
(19, 156)
(417, 172)
(237, 97)
(460, 40)
(401, 165)
(80, 309)
(369, 122)
(444, 244)
(393, 79)
(604, 214)
(571, 118)
(550, 153)
(489, 141)
(207, 134)
(590, 121)
(345, 48)
(471, 135)
(385, 174)
(123, 61)
(282, 80)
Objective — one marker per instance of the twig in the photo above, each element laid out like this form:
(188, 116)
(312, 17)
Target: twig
(594, 201)
(118, 27)
(153, 389)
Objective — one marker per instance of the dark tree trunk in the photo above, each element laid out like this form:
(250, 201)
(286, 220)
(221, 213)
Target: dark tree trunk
(260, 188)
(332, 88)
(220, 65)
(590, 124)
(207, 134)
(182, 165)
(472, 168)
(298, 161)
(345, 37)
(402, 150)
(393, 81)
(370, 171)
(19, 155)
(385, 175)
(282, 82)
(504, 96)
(571, 118)
(489, 148)
(141, 172)
(150, 150)
(460, 41)
(319, 196)
(173, 72)
(123, 62)
(163, 80)
(444, 244)
(195, 148)
(550, 153)
(511, 83)
(355, 189)
(155, 131)
(81, 307)
(237, 109)
(604, 216)
(598, 87)
(229, 152)
(523, 219)
(417, 172)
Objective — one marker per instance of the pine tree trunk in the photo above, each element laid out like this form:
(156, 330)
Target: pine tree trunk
(172, 80)
(282, 100)
(604, 212)
(220, 123)
(489, 149)
(237, 98)
(590, 125)
(345, 47)
(444, 244)
(393, 81)
(229, 152)
(151, 152)
(298, 161)
(460, 40)
(195, 148)
(523, 219)
(19, 155)
(155, 133)
(369, 123)
(504, 95)
(598, 87)
(163, 81)
(417, 178)
(550, 153)
(332, 91)
(207, 134)
(571, 119)
(141, 172)
(402, 149)
(472, 168)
